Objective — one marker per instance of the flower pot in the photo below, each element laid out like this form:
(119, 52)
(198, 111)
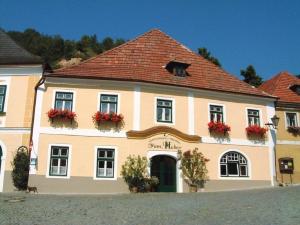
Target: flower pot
(134, 189)
(193, 188)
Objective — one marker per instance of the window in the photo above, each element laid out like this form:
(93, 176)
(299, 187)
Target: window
(164, 111)
(233, 164)
(253, 117)
(291, 119)
(2, 97)
(105, 163)
(59, 161)
(63, 100)
(108, 103)
(179, 71)
(216, 113)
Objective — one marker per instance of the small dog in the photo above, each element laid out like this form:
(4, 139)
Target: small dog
(34, 189)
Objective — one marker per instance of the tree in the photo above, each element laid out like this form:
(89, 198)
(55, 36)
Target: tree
(251, 77)
(206, 54)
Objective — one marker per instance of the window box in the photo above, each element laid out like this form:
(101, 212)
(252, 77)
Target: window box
(64, 115)
(101, 117)
(294, 130)
(218, 128)
(256, 131)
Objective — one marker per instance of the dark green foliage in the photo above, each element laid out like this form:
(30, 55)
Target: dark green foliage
(251, 77)
(20, 170)
(54, 48)
(206, 54)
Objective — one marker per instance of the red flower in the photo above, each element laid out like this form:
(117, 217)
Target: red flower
(52, 113)
(63, 114)
(99, 117)
(256, 130)
(218, 127)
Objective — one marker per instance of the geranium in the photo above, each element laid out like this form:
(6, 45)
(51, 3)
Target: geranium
(294, 130)
(52, 113)
(256, 130)
(63, 114)
(99, 117)
(218, 127)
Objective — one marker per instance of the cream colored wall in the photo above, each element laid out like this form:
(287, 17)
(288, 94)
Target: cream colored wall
(282, 133)
(82, 156)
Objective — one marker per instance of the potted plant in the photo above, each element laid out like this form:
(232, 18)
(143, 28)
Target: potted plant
(218, 128)
(134, 172)
(256, 131)
(151, 183)
(193, 166)
(100, 117)
(294, 130)
(65, 115)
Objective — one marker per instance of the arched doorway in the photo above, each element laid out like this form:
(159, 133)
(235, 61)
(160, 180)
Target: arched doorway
(164, 168)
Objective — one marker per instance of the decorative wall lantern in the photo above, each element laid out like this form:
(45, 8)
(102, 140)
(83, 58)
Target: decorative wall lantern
(275, 121)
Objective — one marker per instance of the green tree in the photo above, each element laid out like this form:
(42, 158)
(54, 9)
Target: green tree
(207, 55)
(251, 77)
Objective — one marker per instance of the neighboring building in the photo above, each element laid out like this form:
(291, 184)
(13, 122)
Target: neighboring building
(19, 73)
(167, 95)
(287, 88)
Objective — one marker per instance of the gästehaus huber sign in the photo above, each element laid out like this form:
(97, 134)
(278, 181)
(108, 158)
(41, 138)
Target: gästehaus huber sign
(163, 143)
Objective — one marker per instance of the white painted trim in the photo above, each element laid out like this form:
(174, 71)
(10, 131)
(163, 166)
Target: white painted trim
(14, 130)
(260, 115)
(217, 104)
(285, 118)
(233, 141)
(2, 169)
(179, 178)
(6, 80)
(249, 169)
(109, 93)
(115, 162)
(69, 161)
(287, 142)
(36, 126)
(173, 110)
(191, 113)
(67, 91)
(82, 132)
(137, 108)
(21, 70)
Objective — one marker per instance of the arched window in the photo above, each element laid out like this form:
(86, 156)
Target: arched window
(233, 164)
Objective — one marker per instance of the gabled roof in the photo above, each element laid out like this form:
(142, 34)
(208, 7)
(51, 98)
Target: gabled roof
(12, 53)
(144, 58)
(280, 85)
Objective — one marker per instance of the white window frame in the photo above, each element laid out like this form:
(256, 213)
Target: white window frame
(224, 111)
(115, 162)
(109, 93)
(67, 91)
(249, 169)
(5, 81)
(260, 115)
(285, 118)
(173, 110)
(69, 161)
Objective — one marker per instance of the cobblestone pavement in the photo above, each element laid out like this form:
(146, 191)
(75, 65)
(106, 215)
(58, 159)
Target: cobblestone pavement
(262, 207)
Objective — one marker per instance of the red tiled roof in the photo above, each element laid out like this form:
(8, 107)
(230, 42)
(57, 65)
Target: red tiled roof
(280, 85)
(144, 58)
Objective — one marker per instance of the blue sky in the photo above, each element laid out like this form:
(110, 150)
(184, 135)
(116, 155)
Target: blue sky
(264, 33)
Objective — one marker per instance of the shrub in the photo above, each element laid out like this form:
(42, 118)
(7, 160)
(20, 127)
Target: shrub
(20, 170)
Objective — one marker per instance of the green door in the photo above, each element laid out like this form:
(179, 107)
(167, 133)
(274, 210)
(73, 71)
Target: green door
(164, 168)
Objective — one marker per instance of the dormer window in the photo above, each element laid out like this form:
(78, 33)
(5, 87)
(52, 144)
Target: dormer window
(177, 68)
(296, 88)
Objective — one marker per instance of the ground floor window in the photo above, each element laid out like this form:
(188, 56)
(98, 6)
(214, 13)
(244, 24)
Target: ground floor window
(105, 163)
(59, 161)
(233, 164)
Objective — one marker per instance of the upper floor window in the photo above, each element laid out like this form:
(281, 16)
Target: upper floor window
(164, 110)
(2, 97)
(59, 161)
(179, 71)
(291, 119)
(108, 103)
(177, 68)
(216, 113)
(63, 100)
(253, 117)
(233, 164)
(105, 162)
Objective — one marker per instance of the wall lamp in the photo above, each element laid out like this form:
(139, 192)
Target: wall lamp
(275, 121)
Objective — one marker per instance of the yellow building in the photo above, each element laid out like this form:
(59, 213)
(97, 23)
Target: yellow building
(19, 73)
(167, 95)
(287, 88)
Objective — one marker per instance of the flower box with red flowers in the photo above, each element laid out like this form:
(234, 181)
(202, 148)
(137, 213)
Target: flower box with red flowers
(218, 128)
(294, 130)
(100, 117)
(256, 131)
(65, 115)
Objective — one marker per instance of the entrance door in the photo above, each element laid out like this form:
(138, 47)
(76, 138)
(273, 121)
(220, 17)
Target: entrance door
(0, 159)
(164, 168)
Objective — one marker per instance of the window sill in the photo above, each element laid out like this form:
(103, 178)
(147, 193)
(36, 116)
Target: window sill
(235, 178)
(104, 178)
(59, 177)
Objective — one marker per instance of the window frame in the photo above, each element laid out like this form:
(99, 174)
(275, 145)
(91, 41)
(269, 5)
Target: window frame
(172, 122)
(65, 91)
(109, 102)
(115, 166)
(297, 118)
(109, 93)
(260, 115)
(48, 175)
(3, 110)
(224, 111)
